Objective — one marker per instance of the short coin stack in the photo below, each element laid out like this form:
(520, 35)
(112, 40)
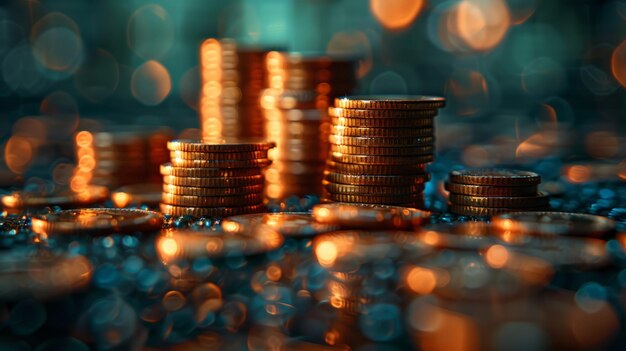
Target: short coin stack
(295, 106)
(232, 79)
(379, 149)
(214, 178)
(487, 192)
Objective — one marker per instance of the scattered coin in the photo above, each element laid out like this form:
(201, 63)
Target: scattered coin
(291, 224)
(360, 216)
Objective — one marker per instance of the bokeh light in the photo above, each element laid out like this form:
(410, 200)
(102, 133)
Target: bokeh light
(151, 83)
(396, 14)
(98, 76)
(618, 63)
(150, 32)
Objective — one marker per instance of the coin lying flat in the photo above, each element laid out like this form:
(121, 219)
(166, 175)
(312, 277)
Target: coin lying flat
(377, 199)
(220, 145)
(482, 190)
(64, 198)
(391, 102)
(370, 216)
(555, 223)
(467, 236)
(212, 212)
(212, 201)
(370, 169)
(138, 194)
(381, 142)
(218, 182)
(381, 113)
(383, 180)
(196, 191)
(335, 188)
(381, 160)
(382, 122)
(382, 132)
(296, 224)
(495, 177)
(485, 211)
(97, 221)
(256, 163)
(244, 155)
(539, 200)
(169, 170)
(381, 151)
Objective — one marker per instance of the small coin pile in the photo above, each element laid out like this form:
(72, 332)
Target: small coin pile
(214, 178)
(379, 149)
(300, 89)
(119, 158)
(231, 82)
(487, 192)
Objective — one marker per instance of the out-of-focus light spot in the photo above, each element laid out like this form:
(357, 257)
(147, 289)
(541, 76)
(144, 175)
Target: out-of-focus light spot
(596, 73)
(421, 280)
(273, 272)
(621, 171)
(353, 43)
(59, 50)
(396, 14)
(63, 109)
(497, 256)
(121, 199)
(521, 10)
(50, 21)
(10, 35)
(189, 87)
(168, 247)
(537, 145)
(84, 139)
(62, 173)
(618, 63)
(388, 82)
(173, 301)
(98, 77)
(150, 83)
(21, 72)
(469, 92)
(475, 156)
(326, 253)
(18, 153)
(150, 31)
(482, 24)
(578, 173)
(543, 77)
(602, 144)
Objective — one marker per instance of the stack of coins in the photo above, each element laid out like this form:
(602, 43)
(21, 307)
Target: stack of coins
(300, 89)
(215, 178)
(379, 149)
(119, 158)
(487, 192)
(232, 79)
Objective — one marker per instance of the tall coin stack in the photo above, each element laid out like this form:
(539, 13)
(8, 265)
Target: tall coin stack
(301, 87)
(232, 79)
(119, 158)
(214, 178)
(493, 191)
(379, 149)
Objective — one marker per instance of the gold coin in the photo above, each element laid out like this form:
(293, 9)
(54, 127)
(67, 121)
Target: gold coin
(196, 191)
(467, 236)
(218, 182)
(382, 122)
(539, 200)
(258, 163)
(369, 169)
(380, 160)
(377, 199)
(555, 223)
(169, 170)
(91, 194)
(335, 188)
(391, 102)
(382, 113)
(138, 194)
(220, 145)
(484, 211)
(212, 201)
(97, 221)
(370, 216)
(489, 190)
(382, 151)
(213, 212)
(382, 132)
(244, 155)
(383, 142)
(384, 180)
(495, 177)
(298, 224)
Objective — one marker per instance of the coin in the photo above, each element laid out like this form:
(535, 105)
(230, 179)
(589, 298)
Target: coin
(380, 160)
(539, 200)
(382, 122)
(25, 199)
(258, 163)
(377, 199)
(176, 244)
(382, 113)
(212, 201)
(398, 180)
(382, 132)
(369, 169)
(220, 145)
(383, 142)
(335, 188)
(97, 221)
(382, 151)
(468, 236)
(40, 274)
(391, 102)
(168, 170)
(476, 211)
(495, 177)
(213, 212)
(244, 155)
(297, 224)
(481, 190)
(555, 223)
(138, 194)
(196, 191)
(370, 216)
(218, 182)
